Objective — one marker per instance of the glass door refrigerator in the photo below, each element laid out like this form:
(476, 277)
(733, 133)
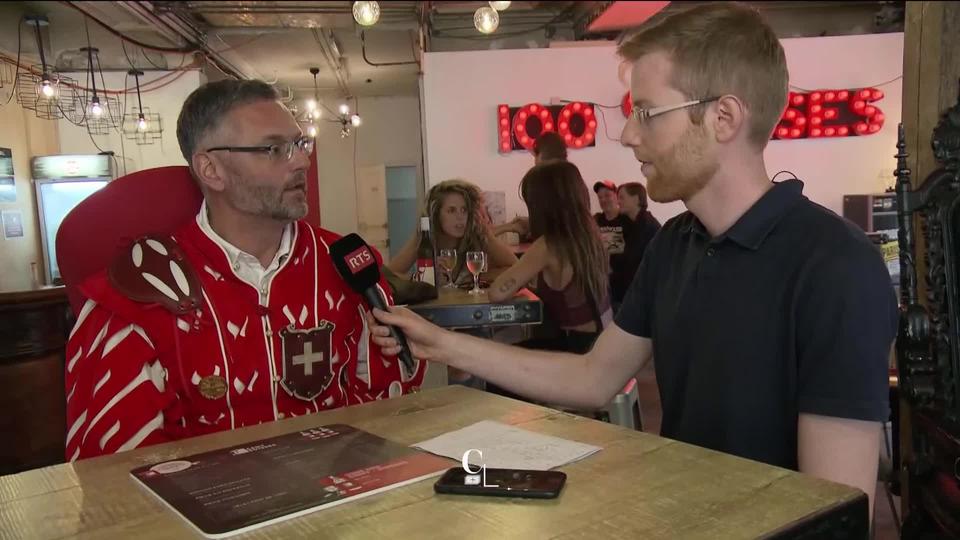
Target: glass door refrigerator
(61, 183)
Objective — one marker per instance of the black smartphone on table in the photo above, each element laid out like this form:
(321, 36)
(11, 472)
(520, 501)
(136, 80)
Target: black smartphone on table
(502, 483)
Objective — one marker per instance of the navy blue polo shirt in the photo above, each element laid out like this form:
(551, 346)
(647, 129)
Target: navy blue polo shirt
(790, 311)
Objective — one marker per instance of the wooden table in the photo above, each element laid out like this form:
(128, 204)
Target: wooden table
(638, 486)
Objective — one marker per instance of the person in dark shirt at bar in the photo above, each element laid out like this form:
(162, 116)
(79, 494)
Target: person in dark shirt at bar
(613, 225)
(641, 230)
(770, 317)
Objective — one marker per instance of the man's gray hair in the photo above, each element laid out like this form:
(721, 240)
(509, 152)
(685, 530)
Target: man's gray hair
(206, 107)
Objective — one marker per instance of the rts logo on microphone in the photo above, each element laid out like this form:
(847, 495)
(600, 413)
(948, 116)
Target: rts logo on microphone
(359, 259)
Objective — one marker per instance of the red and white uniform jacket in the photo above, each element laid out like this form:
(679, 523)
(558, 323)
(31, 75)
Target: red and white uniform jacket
(171, 343)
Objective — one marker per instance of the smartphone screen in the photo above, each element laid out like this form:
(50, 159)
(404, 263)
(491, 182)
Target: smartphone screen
(502, 482)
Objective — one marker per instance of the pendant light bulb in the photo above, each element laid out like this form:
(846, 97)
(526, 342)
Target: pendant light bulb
(46, 88)
(355, 120)
(141, 123)
(344, 109)
(486, 20)
(500, 6)
(366, 13)
(95, 108)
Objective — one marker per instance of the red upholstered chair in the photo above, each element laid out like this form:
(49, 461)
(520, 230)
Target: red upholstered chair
(152, 201)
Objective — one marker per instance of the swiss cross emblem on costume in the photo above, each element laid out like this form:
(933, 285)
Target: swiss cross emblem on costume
(307, 369)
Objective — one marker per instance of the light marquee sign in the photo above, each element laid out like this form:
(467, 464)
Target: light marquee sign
(518, 127)
(822, 113)
(808, 115)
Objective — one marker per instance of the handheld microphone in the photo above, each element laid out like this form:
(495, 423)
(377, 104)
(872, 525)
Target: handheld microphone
(356, 264)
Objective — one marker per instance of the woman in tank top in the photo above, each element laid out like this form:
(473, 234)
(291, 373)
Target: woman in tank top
(566, 266)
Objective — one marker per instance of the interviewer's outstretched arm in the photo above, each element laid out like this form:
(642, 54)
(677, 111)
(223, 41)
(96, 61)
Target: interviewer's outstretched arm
(587, 381)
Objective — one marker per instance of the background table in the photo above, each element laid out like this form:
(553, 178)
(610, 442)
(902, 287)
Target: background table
(457, 308)
(639, 486)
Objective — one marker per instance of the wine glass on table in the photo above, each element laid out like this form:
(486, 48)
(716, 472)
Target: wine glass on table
(447, 261)
(476, 260)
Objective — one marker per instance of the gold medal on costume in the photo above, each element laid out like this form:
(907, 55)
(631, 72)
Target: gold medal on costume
(213, 387)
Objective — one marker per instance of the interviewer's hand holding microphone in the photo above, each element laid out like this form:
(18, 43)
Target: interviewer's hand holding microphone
(356, 264)
(426, 340)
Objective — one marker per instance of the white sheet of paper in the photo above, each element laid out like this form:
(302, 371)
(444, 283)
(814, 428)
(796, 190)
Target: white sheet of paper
(507, 447)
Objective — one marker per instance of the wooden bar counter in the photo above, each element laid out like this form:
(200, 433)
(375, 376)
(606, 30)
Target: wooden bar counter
(638, 486)
(34, 325)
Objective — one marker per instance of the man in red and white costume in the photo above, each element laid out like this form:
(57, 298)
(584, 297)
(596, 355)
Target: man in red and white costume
(239, 318)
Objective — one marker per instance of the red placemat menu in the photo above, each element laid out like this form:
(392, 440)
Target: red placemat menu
(237, 489)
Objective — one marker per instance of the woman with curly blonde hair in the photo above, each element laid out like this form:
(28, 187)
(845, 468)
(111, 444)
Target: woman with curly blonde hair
(458, 220)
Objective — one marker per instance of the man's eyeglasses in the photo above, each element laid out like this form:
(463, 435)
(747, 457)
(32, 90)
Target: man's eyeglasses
(642, 115)
(276, 152)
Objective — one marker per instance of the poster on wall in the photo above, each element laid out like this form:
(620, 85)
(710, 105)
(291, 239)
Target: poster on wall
(496, 205)
(12, 223)
(8, 187)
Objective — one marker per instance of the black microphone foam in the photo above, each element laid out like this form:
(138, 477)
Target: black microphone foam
(356, 264)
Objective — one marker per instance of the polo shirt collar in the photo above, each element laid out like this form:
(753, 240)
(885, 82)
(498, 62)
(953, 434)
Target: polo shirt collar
(755, 225)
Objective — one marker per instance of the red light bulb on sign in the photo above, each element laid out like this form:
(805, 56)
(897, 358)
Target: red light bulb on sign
(829, 132)
(816, 132)
(548, 126)
(533, 108)
(843, 131)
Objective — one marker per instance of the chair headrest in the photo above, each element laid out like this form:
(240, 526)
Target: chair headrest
(153, 201)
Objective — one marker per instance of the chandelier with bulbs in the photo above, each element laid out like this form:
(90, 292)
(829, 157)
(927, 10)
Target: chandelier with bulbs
(314, 112)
